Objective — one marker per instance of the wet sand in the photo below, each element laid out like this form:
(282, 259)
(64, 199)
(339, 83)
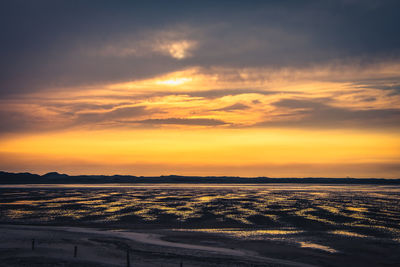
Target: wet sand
(54, 246)
(201, 226)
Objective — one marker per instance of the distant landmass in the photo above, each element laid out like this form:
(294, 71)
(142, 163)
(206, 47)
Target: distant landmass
(57, 178)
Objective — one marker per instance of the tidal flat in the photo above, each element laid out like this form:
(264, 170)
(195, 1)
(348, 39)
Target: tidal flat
(202, 225)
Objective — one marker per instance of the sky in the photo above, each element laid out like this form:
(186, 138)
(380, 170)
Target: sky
(237, 88)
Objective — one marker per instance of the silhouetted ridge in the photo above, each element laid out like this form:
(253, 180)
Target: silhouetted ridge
(54, 175)
(56, 178)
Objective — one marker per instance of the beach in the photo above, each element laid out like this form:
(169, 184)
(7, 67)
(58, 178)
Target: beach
(207, 225)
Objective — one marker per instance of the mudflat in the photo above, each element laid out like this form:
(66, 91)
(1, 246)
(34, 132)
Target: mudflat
(207, 225)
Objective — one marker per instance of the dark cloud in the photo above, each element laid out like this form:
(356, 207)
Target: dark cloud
(46, 44)
(368, 99)
(182, 121)
(114, 115)
(237, 106)
(73, 108)
(208, 94)
(391, 84)
(82, 110)
(217, 93)
(15, 121)
(308, 113)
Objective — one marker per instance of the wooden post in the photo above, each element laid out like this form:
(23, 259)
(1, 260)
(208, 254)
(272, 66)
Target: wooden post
(181, 264)
(75, 251)
(128, 260)
(33, 244)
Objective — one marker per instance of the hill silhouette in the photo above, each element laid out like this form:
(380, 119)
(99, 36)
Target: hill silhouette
(57, 178)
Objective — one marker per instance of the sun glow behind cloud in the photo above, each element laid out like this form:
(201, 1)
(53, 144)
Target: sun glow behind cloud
(177, 49)
(195, 122)
(175, 81)
(189, 89)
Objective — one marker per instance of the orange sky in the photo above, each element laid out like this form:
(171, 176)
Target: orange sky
(243, 88)
(189, 123)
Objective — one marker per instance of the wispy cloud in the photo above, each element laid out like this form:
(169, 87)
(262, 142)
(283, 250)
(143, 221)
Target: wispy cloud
(116, 114)
(317, 114)
(233, 107)
(181, 121)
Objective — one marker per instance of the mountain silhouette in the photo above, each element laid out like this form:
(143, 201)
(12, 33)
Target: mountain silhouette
(57, 178)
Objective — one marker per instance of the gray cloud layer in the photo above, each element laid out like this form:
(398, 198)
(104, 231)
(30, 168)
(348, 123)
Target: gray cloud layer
(237, 106)
(60, 43)
(119, 113)
(182, 121)
(319, 114)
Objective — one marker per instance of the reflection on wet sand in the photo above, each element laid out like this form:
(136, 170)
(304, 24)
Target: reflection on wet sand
(317, 246)
(245, 233)
(347, 233)
(310, 216)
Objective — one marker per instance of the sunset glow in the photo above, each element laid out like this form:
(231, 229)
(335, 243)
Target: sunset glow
(180, 99)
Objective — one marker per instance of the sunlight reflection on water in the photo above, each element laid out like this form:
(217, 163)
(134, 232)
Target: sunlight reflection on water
(317, 246)
(240, 211)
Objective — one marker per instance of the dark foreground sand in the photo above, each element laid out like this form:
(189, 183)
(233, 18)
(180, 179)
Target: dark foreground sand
(54, 246)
